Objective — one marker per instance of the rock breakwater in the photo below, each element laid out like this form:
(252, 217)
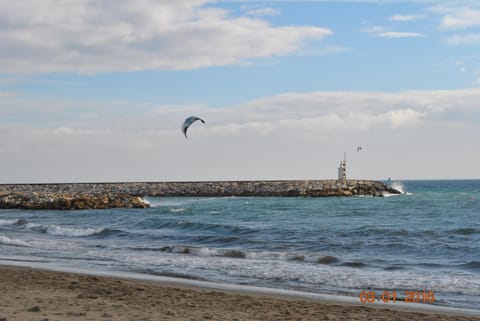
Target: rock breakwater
(68, 201)
(109, 195)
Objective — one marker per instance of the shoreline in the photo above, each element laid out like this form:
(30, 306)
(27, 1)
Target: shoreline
(196, 298)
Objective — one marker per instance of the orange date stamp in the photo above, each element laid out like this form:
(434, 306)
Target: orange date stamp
(392, 297)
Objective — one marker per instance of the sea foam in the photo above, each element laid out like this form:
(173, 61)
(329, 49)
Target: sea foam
(10, 221)
(65, 231)
(5, 240)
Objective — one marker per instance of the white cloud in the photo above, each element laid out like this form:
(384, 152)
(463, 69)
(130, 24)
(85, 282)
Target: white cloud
(260, 12)
(397, 34)
(385, 32)
(289, 136)
(87, 37)
(375, 29)
(65, 131)
(403, 18)
(405, 118)
(461, 39)
(332, 110)
(461, 18)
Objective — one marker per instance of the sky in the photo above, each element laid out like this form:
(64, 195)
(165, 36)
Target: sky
(96, 91)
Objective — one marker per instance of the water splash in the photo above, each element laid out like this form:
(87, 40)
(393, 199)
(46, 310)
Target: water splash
(399, 187)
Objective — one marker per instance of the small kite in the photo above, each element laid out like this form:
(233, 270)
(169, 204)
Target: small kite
(190, 120)
(359, 148)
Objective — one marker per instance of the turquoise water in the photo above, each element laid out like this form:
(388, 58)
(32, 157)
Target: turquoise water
(427, 239)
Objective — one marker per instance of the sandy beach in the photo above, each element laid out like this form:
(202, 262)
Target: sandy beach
(29, 294)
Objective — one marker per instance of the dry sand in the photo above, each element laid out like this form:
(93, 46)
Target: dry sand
(27, 294)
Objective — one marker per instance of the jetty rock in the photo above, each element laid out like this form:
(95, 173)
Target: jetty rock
(68, 201)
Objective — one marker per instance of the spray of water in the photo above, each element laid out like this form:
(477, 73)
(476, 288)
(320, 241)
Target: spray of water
(398, 186)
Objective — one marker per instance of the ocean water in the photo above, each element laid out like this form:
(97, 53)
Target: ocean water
(427, 239)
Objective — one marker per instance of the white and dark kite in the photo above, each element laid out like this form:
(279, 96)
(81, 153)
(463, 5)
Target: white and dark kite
(359, 148)
(190, 120)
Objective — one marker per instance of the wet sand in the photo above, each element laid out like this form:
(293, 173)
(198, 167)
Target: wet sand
(28, 294)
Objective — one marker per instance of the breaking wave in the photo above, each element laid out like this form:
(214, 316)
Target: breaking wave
(19, 221)
(13, 242)
(66, 231)
(251, 254)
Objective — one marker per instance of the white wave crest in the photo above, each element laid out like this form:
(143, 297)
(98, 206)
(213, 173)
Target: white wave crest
(14, 242)
(32, 226)
(177, 210)
(389, 195)
(64, 231)
(71, 231)
(8, 222)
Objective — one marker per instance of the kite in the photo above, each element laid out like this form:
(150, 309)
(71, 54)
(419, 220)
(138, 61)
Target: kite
(359, 148)
(190, 120)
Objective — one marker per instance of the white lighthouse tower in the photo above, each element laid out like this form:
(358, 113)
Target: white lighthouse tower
(342, 169)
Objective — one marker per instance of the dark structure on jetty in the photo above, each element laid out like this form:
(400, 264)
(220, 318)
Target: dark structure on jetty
(129, 195)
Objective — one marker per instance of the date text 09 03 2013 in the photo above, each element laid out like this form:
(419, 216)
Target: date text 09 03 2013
(392, 297)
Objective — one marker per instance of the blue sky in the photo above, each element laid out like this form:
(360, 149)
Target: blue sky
(353, 57)
(274, 78)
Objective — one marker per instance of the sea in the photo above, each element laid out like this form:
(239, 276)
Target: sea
(426, 240)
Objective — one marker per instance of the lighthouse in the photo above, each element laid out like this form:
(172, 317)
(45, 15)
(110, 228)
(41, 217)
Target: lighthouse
(342, 169)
